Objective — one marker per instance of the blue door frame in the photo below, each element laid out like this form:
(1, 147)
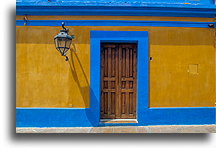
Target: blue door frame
(141, 38)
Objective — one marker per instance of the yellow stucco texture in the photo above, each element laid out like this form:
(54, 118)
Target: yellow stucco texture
(181, 72)
(44, 78)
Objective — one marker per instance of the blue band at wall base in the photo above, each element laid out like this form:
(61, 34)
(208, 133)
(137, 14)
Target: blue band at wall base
(44, 117)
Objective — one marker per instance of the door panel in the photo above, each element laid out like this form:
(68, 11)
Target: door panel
(118, 81)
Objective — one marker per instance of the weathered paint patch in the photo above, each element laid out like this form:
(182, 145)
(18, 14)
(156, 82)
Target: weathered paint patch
(193, 69)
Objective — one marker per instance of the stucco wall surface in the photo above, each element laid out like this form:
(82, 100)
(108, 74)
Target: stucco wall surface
(181, 73)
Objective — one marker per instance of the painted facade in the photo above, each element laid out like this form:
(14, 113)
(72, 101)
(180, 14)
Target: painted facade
(177, 86)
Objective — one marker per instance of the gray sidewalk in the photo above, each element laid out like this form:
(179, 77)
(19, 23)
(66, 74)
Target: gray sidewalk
(125, 129)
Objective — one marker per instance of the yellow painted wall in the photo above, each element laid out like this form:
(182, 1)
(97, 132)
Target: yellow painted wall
(181, 74)
(43, 77)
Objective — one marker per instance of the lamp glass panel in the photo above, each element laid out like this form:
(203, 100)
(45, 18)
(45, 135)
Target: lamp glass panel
(68, 43)
(61, 42)
(66, 50)
(61, 50)
(56, 42)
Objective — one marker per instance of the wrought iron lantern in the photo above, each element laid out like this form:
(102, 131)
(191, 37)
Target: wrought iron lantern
(63, 41)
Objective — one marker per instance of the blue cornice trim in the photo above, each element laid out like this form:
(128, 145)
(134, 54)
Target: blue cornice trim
(123, 3)
(102, 10)
(114, 23)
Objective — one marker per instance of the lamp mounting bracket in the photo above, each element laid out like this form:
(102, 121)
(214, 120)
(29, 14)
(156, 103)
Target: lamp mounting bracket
(63, 26)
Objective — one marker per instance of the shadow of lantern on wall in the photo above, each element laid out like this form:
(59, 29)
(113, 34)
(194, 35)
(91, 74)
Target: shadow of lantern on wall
(63, 41)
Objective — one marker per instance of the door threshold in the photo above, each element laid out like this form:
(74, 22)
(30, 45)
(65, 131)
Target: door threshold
(118, 121)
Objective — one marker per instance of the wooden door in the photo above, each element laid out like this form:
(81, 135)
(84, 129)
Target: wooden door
(118, 81)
